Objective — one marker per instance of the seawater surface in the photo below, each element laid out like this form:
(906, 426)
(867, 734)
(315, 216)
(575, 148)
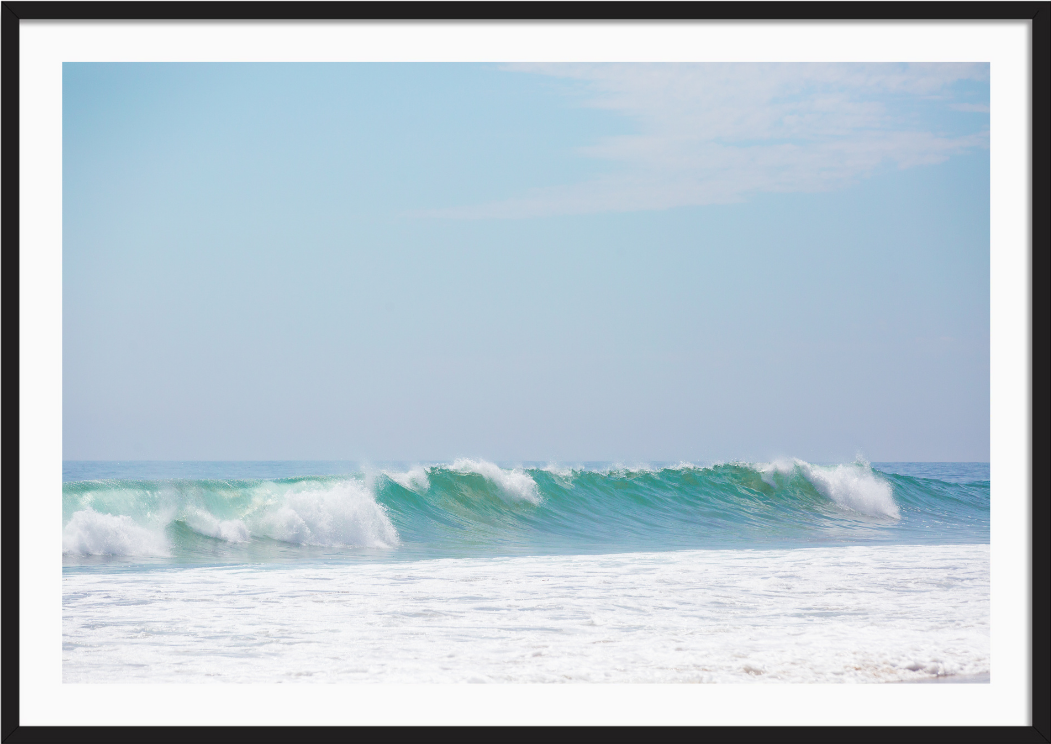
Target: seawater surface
(258, 512)
(471, 571)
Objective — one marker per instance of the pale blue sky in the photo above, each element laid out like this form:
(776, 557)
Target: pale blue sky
(576, 262)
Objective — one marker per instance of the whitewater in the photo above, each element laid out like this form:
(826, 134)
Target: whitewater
(786, 571)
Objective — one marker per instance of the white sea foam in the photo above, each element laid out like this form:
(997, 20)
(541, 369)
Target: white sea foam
(847, 614)
(853, 487)
(344, 513)
(230, 530)
(90, 533)
(564, 472)
(414, 480)
(516, 483)
(684, 465)
(618, 468)
(567, 472)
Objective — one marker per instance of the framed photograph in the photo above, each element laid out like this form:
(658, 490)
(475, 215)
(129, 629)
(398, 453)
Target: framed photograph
(525, 364)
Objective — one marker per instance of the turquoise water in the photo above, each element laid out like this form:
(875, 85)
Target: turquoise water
(215, 512)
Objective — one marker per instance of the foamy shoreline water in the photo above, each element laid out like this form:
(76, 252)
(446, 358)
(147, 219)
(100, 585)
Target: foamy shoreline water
(839, 614)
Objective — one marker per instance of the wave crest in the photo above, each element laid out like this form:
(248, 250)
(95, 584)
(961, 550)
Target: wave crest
(516, 483)
(340, 514)
(853, 486)
(228, 530)
(91, 533)
(415, 479)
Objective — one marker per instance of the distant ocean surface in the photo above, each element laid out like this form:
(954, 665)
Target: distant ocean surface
(474, 571)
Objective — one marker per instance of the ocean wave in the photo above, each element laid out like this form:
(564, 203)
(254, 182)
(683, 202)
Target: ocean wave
(228, 530)
(415, 479)
(131, 518)
(471, 502)
(515, 483)
(337, 514)
(91, 533)
(852, 486)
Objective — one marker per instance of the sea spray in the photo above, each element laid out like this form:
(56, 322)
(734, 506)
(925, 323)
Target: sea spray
(852, 486)
(91, 533)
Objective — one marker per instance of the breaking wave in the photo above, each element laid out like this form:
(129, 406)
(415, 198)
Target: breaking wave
(475, 505)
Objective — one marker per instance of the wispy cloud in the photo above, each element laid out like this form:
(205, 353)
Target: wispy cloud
(716, 133)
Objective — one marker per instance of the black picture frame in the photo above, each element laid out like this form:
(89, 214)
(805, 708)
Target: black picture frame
(1038, 12)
